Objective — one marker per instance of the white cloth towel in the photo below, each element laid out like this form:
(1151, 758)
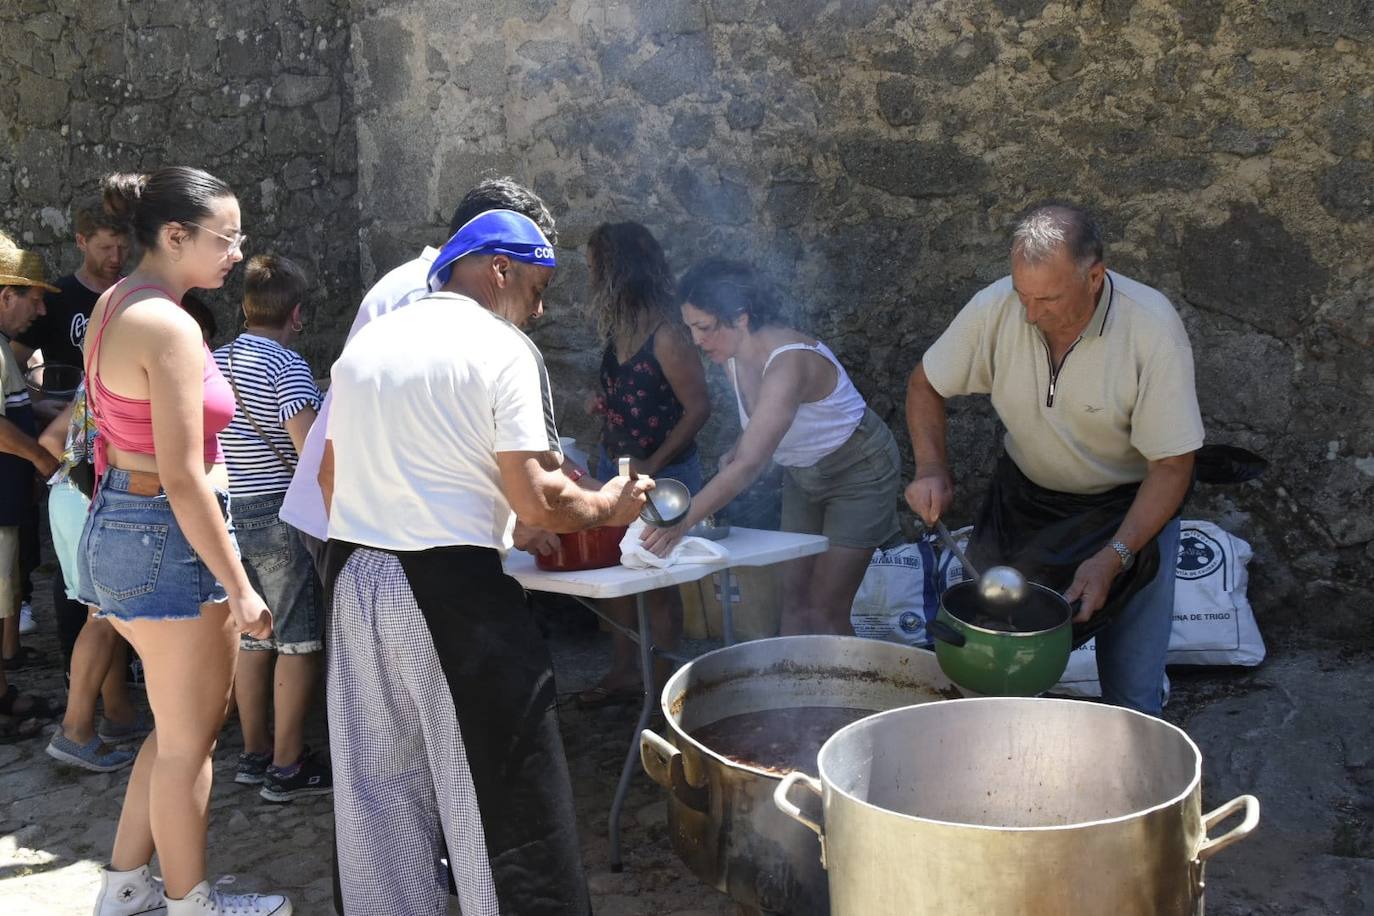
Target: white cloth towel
(633, 554)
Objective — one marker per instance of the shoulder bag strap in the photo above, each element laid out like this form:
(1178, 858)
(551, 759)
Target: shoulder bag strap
(286, 462)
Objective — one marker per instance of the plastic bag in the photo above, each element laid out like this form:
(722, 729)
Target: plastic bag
(899, 595)
(1213, 621)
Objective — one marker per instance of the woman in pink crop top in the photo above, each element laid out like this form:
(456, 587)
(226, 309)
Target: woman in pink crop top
(157, 555)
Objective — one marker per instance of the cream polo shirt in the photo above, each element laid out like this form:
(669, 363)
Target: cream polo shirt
(1123, 396)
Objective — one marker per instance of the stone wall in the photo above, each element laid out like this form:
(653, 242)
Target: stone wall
(869, 153)
(255, 91)
(872, 153)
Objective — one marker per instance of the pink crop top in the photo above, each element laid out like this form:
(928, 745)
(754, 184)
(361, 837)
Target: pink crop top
(127, 423)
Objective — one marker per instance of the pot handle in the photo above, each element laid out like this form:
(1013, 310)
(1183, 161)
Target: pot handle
(1210, 847)
(663, 763)
(945, 633)
(785, 804)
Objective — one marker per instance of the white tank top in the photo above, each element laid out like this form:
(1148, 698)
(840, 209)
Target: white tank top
(820, 426)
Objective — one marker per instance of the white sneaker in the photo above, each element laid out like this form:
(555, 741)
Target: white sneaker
(205, 900)
(129, 893)
(26, 622)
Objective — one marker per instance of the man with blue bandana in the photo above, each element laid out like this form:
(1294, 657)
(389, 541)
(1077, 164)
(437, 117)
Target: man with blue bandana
(441, 692)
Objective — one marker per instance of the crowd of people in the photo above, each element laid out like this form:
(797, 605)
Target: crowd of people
(242, 532)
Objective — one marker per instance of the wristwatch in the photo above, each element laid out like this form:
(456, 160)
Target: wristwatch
(1125, 553)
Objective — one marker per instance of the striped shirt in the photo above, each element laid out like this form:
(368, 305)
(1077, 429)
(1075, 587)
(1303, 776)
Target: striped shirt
(275, 384)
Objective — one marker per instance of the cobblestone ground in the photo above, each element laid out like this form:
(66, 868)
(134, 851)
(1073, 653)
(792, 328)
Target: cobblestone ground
(1296, 732)
(57, 823)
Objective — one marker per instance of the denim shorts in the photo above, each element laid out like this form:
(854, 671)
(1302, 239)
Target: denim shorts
(133, 561)
(850, 495)
(280, 568)
(687, 470)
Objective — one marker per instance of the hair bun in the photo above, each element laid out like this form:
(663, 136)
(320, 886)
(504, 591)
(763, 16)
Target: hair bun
(121, 192)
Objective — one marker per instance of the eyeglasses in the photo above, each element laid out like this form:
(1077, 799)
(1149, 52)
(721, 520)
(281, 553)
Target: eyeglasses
(235, 241)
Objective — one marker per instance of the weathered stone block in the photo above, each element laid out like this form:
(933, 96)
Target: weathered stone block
(745, 114)
(1231, 137)
(385, 47)
(40, 167)
(789, 202)
(1222, 355)
(911, 168)
(673, 17)
(291, 89)
(961, 62)
(1347, 189)
(1021, 10)
(1351, 124)
(485, 72)
(1062, 55)
(682, 66)
(691, 129)
(1252, 268)
(45, 26)
(1148, 175)
(138, 125)
(328, 112)
(901, 101)
(1299, 20)
(731, 11)
(716, 201)
(42, 101)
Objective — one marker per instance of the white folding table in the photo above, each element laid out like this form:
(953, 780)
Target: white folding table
(745, 546)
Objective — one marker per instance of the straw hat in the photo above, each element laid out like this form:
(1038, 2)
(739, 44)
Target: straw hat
(22, 268)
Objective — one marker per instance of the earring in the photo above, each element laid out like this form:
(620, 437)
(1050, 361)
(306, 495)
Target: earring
(297, 326)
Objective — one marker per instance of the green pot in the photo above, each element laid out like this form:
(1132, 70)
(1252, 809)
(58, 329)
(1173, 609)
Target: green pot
(998, 663)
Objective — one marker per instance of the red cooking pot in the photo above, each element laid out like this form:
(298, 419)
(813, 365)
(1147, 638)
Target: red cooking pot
(595, 548)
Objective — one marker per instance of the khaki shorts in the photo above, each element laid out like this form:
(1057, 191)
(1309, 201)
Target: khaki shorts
(9, 571)
(850, 495)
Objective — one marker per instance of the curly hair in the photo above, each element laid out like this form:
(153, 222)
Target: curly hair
(728, 289)
(629, 276)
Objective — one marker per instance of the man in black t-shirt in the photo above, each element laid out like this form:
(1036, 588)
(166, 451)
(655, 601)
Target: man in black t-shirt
(104, 243)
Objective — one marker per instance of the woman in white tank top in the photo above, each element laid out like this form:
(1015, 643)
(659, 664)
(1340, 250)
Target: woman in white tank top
(798, 407)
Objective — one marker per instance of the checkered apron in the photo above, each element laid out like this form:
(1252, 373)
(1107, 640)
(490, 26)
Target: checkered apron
(441, 712)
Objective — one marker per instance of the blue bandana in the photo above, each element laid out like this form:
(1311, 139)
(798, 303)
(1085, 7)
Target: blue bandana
(494, 232)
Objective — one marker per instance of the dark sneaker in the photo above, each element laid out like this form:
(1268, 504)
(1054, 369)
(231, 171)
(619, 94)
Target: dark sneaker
(310, 777)
(253, 768)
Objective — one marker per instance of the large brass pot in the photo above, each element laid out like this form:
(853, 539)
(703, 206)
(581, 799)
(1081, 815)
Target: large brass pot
(721, 815)
(1031, 807)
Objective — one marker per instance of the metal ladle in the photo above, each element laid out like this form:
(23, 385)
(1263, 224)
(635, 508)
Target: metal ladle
(999, 586)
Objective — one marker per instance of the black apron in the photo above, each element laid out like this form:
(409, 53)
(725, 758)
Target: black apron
(1046, 535)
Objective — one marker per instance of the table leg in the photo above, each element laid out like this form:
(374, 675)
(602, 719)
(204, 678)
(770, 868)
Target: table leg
(646, 663)
(727, 608)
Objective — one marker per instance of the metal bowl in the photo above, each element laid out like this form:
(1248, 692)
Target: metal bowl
(710, 528)
(671, 498)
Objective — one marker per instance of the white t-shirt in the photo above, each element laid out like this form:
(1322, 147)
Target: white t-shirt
(303, 507)
(424, 399)
(275, 384)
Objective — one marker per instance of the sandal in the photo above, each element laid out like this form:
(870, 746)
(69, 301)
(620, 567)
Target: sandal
(23, 706)
(599, 696)
(13, 728)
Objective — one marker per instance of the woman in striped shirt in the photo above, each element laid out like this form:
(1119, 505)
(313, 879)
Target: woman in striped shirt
(276, 402)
